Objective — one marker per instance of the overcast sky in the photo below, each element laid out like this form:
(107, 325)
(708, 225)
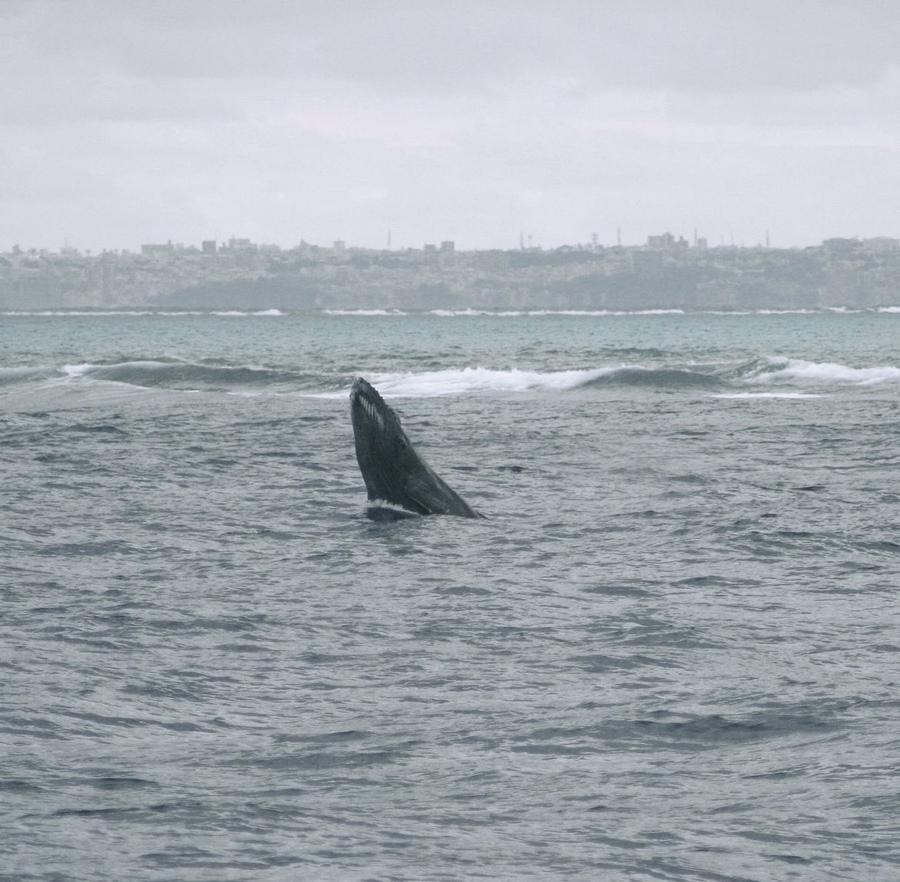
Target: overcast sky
(281, 120)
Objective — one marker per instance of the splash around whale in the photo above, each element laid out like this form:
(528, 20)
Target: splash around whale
(392, 469)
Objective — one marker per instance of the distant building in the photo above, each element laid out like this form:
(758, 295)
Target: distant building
(307, 249)
(152, 250)
(667, 242)
(661, 243)
(840, 247)
(340, 246)
(208, 246)
(448, 247)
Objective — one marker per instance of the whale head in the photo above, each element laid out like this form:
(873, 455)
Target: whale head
(383, 451)
(390, 466)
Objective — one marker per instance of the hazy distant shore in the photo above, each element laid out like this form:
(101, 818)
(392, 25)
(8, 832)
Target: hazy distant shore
(663, 274)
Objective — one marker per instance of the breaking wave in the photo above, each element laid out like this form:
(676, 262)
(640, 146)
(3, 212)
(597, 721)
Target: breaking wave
(774, 377)
(474, 381)
(166, 374)
(759, 378)
(795, 371)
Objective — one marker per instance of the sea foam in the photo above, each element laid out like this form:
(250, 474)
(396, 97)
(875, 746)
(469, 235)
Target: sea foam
(795, 370)
(475, 380)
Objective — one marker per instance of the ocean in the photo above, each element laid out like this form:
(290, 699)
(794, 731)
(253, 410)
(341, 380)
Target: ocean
(671, 651)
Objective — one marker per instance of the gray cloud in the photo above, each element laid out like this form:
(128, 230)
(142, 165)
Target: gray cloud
(425, 44)
(473, 121)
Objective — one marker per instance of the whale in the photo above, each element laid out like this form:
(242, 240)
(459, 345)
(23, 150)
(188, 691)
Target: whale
(392, 469)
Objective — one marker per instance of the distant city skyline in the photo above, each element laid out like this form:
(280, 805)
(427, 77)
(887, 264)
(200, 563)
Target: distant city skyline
(655, 241)
(584, 242)
(418, 121)
(664, 273)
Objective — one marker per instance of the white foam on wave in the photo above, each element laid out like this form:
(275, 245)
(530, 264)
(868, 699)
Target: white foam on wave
(243, 313)
(466, 381)
(364, 312)
(471, 381)
(777, 372)
(78, 370)
(601, 313)
(795, 370)
(83, 370)
(519, 313)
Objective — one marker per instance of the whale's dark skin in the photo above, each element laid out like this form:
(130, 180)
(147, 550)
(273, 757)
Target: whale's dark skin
(390, 466)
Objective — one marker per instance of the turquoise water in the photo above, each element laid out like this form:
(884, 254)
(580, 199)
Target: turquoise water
(669, 652)
(326, 349)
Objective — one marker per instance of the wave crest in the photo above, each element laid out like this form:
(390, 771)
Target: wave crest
(795, 371)
(468, 381)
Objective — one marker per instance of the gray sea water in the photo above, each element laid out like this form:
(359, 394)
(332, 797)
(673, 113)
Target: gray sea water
(670, 652)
